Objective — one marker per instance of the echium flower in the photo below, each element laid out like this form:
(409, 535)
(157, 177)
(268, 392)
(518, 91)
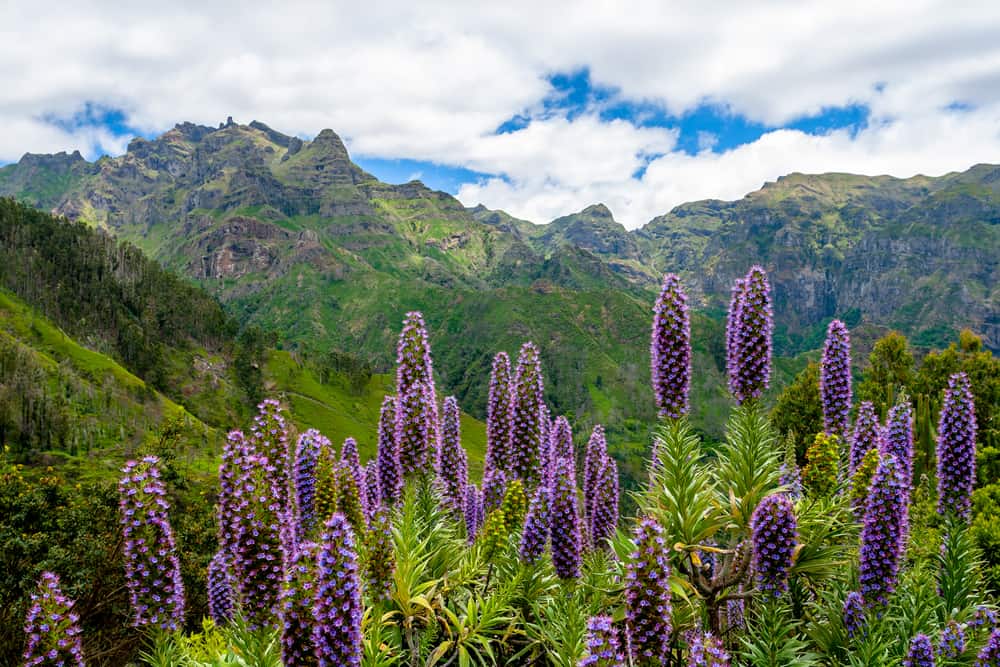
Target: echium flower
(736, 614)
(865, 435)
(390, 472)
(498, 414)
(493, 534)
(603, 512)
(670, 349)
(234, 450)
(897, 439)
(990, 655)
(883, 534)
(472, 510)
(560, 444)
(752, 338)
(603, 645)
(337, 606)
(349, 455)
(920, 653)
(257, 544)
(705, 650)
(220, 588)
(298, 591)
(593, 458)
(647, 595)
(152, 567)
(415, 430)
(494, 488)
(269, 438)
(565, 524)
(307, 452)
(820, 472)
(326, 495)
(526, 440)
(371, 494)
(854, 614)
(535, 535)
(775, 535)
(861, 481)
(835, 379)
(983, 616)
(952, 642)
(413, 355)
(545, 437)
(349, 496)
(380, 557)
(514, 505)
(732, 333)
(956, 448)
(453, 468)
(52, 628)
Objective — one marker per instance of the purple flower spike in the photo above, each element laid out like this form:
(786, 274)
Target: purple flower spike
(990, 655)
(670, 349)
(498, 414)
(349, 455)
(234, 451)
(526, 437)
(566, 541)
(732, 333)
(854, 613)
(415, 431)
(775, 536)
(337, 606)
(453, 469)
(297, 594)
(414, 365)
(473, 512)
(647, 595)
(897, 439)
(865, 435)
(835, 379)
(603, 645)
(53, 630)
(603, 512)
(754, 325)
(952, 642)
(884, 533)
(220, 589)
(269, 438)
(956, 448)
(307, 452)
(371, 496)
(921, 653)
(494, 488)
(390, 472)
(536, 527)
(593, 458)
(560, 444)
(705, 650)
(152, 568)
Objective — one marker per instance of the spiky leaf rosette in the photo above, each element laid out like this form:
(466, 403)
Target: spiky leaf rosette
(560, 444)
(535, 535)
(603, 646)
(471, 509)
(603, 511)
(752, 338)
(854, 613)
(897, 439)
(220, 588)
(775, 536)
(820, 472)
(865, 435)
(593, 458)
(990, 655)
(861, 481)
(152, 566)
(920, 653)
(380, 557)
(269, 438)
(415, 430)
(952, 642)
(52, 629)
(566, 539)
(647, 595)
(349, 496)
(337, 607)
(307, 452)
(258, 545)
(835, 379)
(883, 534)
(705, 650)
(234, 450)
(298, 591)
(494, 488)
(736, 295)
(526, 437)
(371, 494)
(956, 448)
(453, 469)
(498, 414)
(390, 471)
(670, 349)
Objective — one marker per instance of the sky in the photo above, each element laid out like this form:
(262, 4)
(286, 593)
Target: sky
(536, 108)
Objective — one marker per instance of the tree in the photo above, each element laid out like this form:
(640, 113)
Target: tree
(799, 410)
(890, 369)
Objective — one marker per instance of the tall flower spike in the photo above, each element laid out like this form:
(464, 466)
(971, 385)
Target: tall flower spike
(921, 653)
(732, 333)
(297, 594)
(371, 494)
(865, 435)
(854, 614)
(337, 607)
(269, 438)
(956, 448)
(390, 472)
(152, 567)
(380, 558)
(705, 650)
(835, 379)
(883, 534)
(775, 535)
(822, 460)
(414, 365)
(494, 488)
(526, 444)
(472, 511)
(53, 630)
(307, 451)
(753, 338)
(415, 431)
(536, 527)
(670, 350)
(560, 444)
(349, 496)
(498, 414)
(349, 455)
(898, 439)
(990, 655)
(220, 589)
(603, 513)
(453, 468)
(952, 642)
(234, 450)
(647, 595)
(593, 458)
(603, 645)
(566, 541)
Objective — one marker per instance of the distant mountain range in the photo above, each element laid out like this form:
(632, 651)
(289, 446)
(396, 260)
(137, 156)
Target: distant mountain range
(295, 237)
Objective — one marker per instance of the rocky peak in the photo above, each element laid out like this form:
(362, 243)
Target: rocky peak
(59, 162)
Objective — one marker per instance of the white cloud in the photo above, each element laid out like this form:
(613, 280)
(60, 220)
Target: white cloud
(432, 81)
